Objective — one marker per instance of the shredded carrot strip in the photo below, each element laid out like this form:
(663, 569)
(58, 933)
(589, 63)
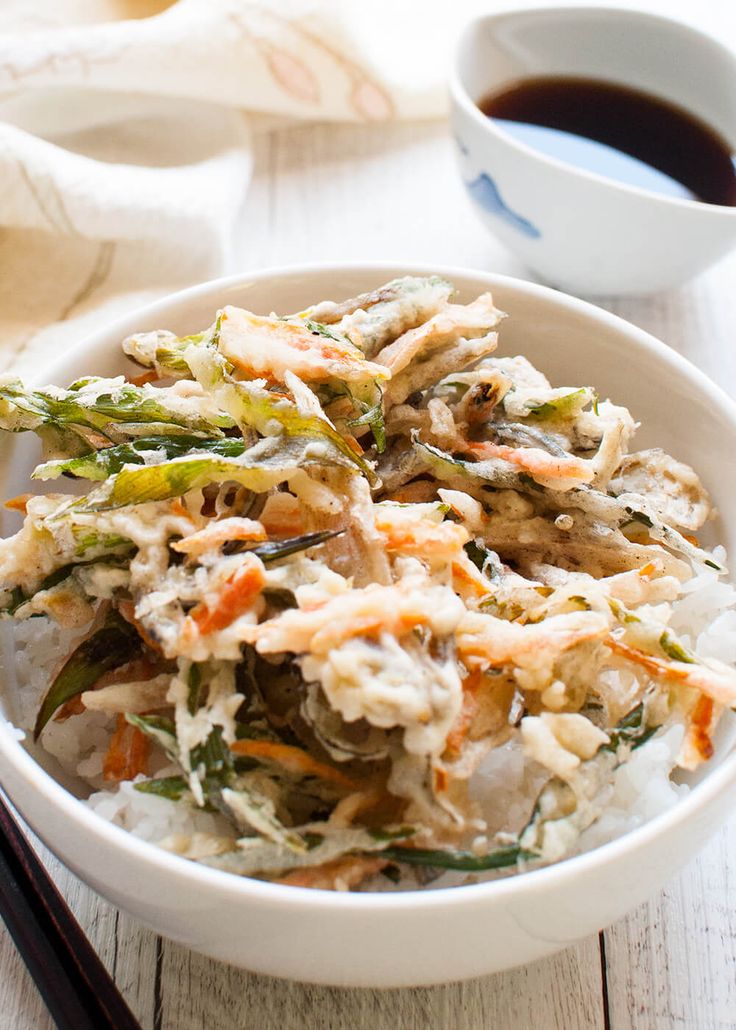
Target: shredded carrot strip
(461, 727)
(532, 459)
(420, 490)
(283, 525)
(349, 871)
(699, 726)
(217, 533)
(293, 759)
(422, 538)
(151, 376)
(178, 508)
(74, 706)
(353, 444)
(127, 754)
(656, 666)
(647, 570)
(466, 577)
(366, 799)
(18, 503)
(237, 595)
(410, 621)
(282, 516)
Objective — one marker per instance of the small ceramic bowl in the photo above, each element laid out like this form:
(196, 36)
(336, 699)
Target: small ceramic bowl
(398, 939)
(578, 230)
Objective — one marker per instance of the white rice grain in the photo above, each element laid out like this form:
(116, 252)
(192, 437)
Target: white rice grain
(505, 786)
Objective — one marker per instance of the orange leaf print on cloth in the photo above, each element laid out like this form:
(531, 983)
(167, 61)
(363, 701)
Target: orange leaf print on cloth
(292, 75)
(367, 98)
(371, 102)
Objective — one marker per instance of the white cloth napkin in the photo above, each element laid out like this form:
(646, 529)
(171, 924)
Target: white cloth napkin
(125, 142)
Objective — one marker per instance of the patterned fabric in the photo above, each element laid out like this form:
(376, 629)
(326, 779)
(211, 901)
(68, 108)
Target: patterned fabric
(125, 136)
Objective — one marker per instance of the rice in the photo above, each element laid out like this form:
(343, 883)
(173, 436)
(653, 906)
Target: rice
(505, 784)
(438, 655)
(151, 818)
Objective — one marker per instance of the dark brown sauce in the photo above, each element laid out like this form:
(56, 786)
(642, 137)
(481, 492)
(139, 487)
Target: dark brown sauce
(620, 133)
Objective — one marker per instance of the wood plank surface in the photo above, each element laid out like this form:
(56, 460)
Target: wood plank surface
(323, 193)
(564, 991)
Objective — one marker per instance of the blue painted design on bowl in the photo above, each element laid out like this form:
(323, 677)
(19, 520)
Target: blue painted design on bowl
(461, 146)
(486, 194)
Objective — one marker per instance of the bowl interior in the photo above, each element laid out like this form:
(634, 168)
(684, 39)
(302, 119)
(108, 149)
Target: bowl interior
(626, 47)
(572, 342)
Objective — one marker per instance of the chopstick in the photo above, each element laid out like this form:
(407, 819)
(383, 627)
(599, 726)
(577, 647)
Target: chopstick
(77, 989)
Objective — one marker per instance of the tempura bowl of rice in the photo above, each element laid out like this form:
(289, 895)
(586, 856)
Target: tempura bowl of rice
(369, 625)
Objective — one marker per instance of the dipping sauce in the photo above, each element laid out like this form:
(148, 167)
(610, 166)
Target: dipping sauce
(618, 132)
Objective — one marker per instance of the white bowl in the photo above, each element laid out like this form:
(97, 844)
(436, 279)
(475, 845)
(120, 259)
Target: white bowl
(579, 230)
(389, 940)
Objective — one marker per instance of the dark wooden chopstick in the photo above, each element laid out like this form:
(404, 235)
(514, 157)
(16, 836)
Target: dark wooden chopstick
(77, 989)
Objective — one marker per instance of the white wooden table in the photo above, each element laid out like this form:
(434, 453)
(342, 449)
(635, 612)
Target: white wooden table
(326, 193)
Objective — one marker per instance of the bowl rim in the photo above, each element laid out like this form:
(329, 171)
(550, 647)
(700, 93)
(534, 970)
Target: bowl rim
(185, 872)
(461, 96)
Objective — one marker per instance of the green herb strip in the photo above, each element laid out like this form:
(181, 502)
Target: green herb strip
(110, 460)
(318, 329)
(630, 730)
(273, 550)
(213, 762)
(173, 788)
(463, 860)
(674, 649)
(373, 417)
(115, 643)
(194, 692)
(560, 407)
